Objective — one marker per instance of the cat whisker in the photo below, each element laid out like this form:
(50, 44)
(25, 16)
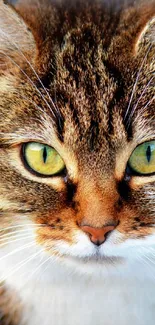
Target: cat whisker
(11, 233)
(135, 107)
(18, 235)
(148, 103)
(30, 81)
(22, 225)
(146, 250)
(136, 82)
(37, 268)
(142, 260)
(34, 71)
(18, 250)
(145, 107)
(148, 265)
(41, 83)
(15, 240)
(20, 265)
(151, 250)
(149, 259)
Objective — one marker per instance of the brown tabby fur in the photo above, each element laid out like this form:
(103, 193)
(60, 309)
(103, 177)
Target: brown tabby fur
(10, 307)
(87, 54)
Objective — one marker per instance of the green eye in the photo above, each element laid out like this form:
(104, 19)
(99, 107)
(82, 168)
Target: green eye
(142, 160)
(42, 159)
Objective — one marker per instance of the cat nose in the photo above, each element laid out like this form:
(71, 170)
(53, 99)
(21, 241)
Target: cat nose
(97, 235)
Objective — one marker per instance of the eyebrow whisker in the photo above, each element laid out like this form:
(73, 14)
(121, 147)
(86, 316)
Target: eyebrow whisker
(30, 81)
(140, 97)
(136, 82)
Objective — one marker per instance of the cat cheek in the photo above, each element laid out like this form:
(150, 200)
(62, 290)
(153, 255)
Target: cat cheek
(135, 227)
(56, 226)
(132, 223)
(48, 238)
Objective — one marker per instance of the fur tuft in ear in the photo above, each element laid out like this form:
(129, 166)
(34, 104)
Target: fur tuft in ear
(146, 35)
(16, 40)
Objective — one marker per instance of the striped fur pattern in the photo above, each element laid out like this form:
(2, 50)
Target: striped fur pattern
(78, 76)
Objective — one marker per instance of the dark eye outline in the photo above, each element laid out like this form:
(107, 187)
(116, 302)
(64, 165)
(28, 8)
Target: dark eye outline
(62, 173)
(131, 172)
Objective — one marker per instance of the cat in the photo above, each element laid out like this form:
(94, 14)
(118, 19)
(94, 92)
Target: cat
(77, 162)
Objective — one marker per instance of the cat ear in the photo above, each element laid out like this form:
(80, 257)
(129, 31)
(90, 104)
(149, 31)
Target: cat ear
(16, 40)
(146, 35)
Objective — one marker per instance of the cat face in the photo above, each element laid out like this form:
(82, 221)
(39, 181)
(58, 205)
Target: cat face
(77, 147)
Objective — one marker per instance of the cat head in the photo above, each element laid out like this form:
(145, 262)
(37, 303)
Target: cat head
(77, 146)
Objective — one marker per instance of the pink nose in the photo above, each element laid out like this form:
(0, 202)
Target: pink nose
(97, 235)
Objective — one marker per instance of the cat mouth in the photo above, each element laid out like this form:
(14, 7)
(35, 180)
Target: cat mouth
(95, 259)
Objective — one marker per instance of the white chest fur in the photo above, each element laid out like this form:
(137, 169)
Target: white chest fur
(72, 292)
(53, 295)
(116, 303)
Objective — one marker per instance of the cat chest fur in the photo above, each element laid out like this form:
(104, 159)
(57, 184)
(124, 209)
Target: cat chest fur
(56, 296)
(120, 303)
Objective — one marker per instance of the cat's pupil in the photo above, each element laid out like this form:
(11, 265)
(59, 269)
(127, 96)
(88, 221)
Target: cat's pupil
(148, 153)
(44, 155)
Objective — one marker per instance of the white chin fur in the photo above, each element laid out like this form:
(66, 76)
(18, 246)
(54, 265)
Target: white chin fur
(115, 246)
(116, 255)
